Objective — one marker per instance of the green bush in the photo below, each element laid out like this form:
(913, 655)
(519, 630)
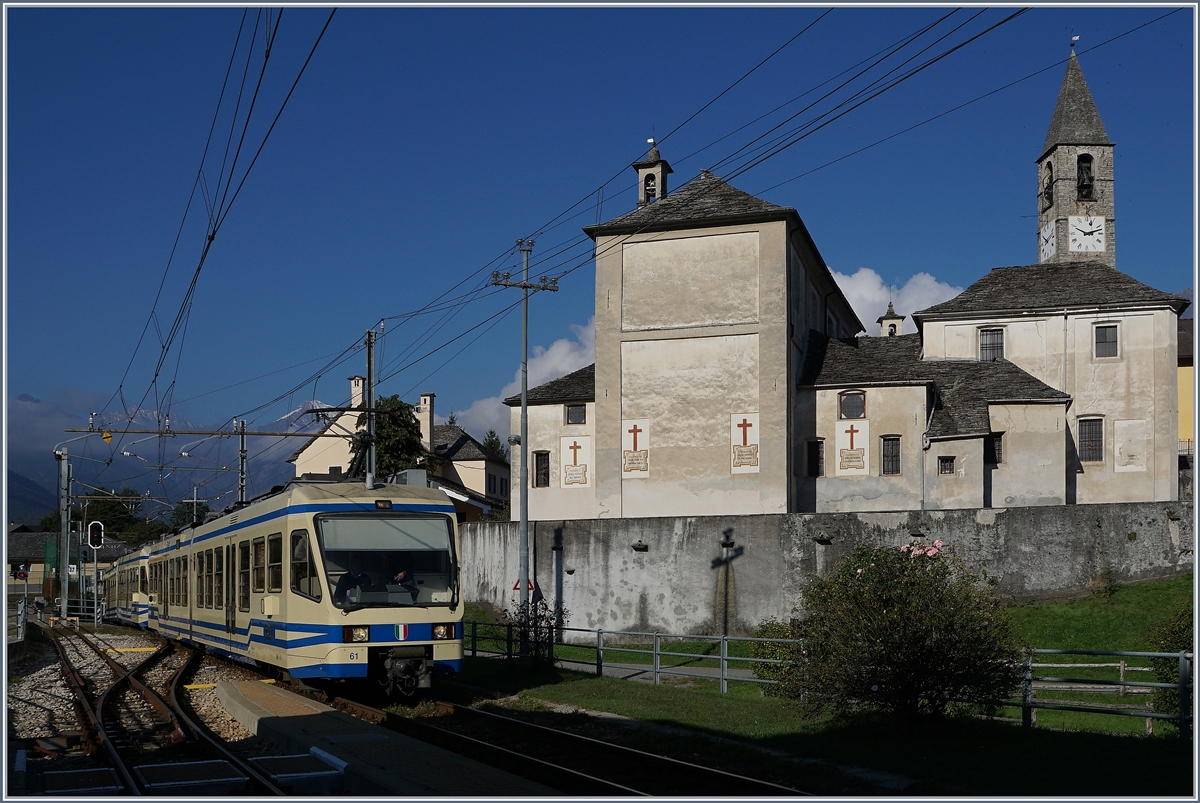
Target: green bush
(902, 631)
(771, 628)
(535, 626)
(1173, 635)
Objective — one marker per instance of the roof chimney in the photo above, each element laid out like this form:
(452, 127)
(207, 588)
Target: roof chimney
(424, 412)
(356, 390)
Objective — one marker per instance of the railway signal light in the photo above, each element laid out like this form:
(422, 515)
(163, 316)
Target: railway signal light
(22, 572)
(96, 535)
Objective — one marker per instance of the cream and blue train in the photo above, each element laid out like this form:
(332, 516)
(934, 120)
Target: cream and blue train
(261, 584)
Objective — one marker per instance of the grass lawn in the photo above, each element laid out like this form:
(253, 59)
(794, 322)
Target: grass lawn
(976, 757)
(1067, 754)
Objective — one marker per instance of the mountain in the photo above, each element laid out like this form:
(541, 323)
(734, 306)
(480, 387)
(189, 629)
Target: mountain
(27, 500)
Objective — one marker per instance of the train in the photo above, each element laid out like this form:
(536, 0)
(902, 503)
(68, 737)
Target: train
(276, 583)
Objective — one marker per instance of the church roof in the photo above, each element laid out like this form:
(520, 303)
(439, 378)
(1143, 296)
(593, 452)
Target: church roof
(1053, 285)
(1076, 120)
(965, 388)
(577, 386)
(705, 200)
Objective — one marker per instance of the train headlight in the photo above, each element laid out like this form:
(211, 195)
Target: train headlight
(351, 635)
(443, 631)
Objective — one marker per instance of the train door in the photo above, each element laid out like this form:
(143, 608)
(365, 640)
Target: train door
(230, 589)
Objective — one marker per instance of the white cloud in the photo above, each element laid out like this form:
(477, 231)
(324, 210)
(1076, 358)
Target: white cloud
(869, 296)
(545, 363)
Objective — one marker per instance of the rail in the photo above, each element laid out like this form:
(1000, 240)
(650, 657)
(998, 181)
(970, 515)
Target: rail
(501, 639)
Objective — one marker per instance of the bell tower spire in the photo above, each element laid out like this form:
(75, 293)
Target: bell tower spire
(652, 176)
(1075, 200)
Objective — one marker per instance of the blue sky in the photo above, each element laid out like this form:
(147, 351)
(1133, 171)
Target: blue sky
(421, 143)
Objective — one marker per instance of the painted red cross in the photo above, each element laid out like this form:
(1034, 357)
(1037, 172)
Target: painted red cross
(851, 432)
(745, 428)
(575, 447)
(634, 432)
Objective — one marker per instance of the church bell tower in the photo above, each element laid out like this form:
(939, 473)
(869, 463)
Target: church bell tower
(1075, 199)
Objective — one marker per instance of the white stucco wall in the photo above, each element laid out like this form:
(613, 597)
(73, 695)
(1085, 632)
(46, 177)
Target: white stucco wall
(547, 428)
(963, 488)
(1138, 385)
(325, 453)
(1032, 470)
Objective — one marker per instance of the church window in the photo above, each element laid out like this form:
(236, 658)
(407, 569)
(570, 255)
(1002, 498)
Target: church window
(852, 404)
(946, 464)
(541, 469)
(1091, 440)
(993, 449)
(816, 458)
(650, 188)
(1106, 341)
(1048, 187)
(891, 454)
(1085, 190)
(991, 344)
(576, 414)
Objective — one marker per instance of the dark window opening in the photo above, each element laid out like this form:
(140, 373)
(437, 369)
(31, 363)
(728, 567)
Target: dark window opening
(816, 458)
(576, 414)
(1048, 189)
(650, 185)
(891, 455)
(1106, 341)
(541, 469)
(993, 449)
(946, 464)
(1091, 440)
(991, 344)
(1086, 182)
(852, 405)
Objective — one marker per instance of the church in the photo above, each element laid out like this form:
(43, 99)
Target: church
(733, 377)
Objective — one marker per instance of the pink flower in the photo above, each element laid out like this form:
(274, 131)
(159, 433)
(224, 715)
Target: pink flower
(939, 544)
(931, 551)
(904, 549)
(859, 571)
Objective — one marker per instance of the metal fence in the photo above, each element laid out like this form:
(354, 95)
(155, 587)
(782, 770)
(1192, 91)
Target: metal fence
(503, 639)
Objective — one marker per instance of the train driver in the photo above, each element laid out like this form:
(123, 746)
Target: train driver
(354, 578)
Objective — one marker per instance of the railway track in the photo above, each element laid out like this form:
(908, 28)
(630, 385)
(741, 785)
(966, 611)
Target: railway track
(136, 736)
(571, 763)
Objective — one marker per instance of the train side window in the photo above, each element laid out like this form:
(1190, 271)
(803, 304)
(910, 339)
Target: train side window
(304, 571)
(259, 567)
(144, 583)
(183, 580)
(201, 573)
(170, 582)
(208, 578)
(275, 562)
(244, 576)
(219, 577)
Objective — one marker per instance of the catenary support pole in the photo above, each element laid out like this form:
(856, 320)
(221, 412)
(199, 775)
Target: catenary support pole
(369, 401)
(242, 461)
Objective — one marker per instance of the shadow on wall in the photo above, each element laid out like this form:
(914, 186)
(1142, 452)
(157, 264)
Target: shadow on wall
(726, 601)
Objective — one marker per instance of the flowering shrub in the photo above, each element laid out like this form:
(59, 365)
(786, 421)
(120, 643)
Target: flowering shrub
(903, 631)
(1172, 635)
(535, 625)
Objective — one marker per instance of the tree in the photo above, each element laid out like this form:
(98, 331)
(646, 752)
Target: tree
(452, 420)
(1172, 635)
(903, 631)
(397, 437)
(494, 448)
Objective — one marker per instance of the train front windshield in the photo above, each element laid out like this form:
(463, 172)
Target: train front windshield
(388, 560)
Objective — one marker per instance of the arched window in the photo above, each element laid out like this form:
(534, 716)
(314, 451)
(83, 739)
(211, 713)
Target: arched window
(1085, 189)
(1048, 187)
(650, 188)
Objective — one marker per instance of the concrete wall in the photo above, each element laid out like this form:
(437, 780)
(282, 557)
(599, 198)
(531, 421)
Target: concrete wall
(685, 582)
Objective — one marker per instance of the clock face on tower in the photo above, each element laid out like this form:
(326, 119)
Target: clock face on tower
(1086, 233)
(1047, 242)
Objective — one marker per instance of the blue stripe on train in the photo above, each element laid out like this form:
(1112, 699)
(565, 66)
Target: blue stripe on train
(310, 508)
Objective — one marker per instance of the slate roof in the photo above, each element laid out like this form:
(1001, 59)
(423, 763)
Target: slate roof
(1185, 341)
(577, 386)
(965, 387)
(452, 442)
(705, 201)
(1053, 286)
(1076, 121)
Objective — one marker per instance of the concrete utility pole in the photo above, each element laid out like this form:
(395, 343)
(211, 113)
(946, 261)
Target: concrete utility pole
(526, 247)
(369, 400)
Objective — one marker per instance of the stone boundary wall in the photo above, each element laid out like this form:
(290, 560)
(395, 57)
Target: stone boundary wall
(673, 575)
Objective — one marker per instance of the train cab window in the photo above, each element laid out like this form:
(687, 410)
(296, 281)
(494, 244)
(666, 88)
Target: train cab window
(364, 554)
(219, 577)
(304, 570)
(208, 578)
(244, 576)
(275, 562)
(259, 566)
